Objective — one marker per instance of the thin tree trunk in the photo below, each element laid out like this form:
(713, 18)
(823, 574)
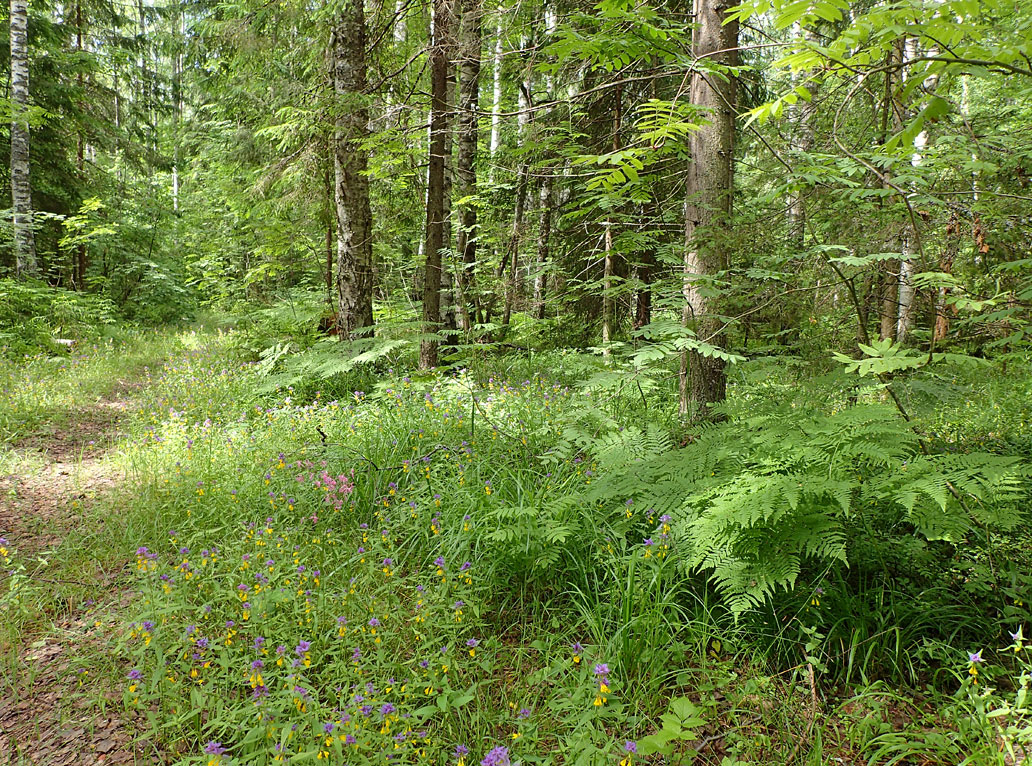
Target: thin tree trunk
(79, 267)
(801, 124)
(351, 190)
(949, 255)
(907, 292)
(512, 259)
(434, 241)
(708, 209)
(21, 185)
(466, 160)
(496, 101)
(545, 202)
(448, 308)
(608, 266)
(892, 120)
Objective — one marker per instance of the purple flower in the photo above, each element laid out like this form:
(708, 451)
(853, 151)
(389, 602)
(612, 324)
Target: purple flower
(465, 565)
(472, 643)
(214, 748)
(601, 669)
(387, 709)
(976, 657)
(439, 561)
(328, 727)
(373, 622)
(302, 647)
(630, 747)
(350, 739)
(524, 712)
(135, 675)
(497, 757)
(461, 750)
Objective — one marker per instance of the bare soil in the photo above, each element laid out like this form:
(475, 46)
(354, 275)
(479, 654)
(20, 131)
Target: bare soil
(52, 711)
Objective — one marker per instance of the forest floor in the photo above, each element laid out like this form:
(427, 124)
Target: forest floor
(52, 709)
(167, 441)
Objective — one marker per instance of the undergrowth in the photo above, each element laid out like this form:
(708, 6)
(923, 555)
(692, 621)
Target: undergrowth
(431, 568)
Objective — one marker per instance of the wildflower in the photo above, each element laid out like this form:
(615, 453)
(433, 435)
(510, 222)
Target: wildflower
(214, 748)
(976, 657)
(387, 709)
(302, 647)
(472, 644)
(630, 748)
(499, 756)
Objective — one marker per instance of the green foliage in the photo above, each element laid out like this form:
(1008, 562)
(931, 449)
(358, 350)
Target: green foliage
(757, 499)
(33, 316)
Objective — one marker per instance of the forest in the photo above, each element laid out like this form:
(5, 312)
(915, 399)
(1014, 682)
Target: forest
(536, 383)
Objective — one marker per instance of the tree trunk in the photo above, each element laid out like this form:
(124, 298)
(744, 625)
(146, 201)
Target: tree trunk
(801, 116)
(512, 259)
(545, 202)
(708, 209)
(608, 266)
(907, 292)
(466, 159)
(21, 185)
(351, 191)
(79, 267)
(891, 122)
(496, 101)
(434, 242)
(949, 255)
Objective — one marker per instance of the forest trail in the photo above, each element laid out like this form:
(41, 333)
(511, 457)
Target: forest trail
(52, 711)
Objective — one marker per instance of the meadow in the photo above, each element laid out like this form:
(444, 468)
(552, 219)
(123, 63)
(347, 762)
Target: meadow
(500, 564)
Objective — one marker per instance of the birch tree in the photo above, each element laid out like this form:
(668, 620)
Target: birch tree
(21, 185)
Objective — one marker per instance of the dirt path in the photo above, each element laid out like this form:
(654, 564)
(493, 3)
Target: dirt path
(52, 711)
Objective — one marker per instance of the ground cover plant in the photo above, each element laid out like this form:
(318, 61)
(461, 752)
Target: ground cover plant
(447, 565)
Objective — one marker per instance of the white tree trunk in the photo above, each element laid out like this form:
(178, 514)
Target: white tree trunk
(496, 102)
(21, 186)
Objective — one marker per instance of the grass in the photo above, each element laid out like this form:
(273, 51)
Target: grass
(413, 567)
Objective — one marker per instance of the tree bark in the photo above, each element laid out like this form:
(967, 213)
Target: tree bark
(351, 190)
(21, 185)
(949, 255)
(511, 262)
(545, 202)
(434, 242)
(708, 208)
(470, 41)
(496, 101)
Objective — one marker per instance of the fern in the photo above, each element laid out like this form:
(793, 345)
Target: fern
(754, 500)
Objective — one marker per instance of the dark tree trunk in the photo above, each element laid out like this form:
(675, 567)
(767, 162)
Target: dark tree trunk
(708, 210)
